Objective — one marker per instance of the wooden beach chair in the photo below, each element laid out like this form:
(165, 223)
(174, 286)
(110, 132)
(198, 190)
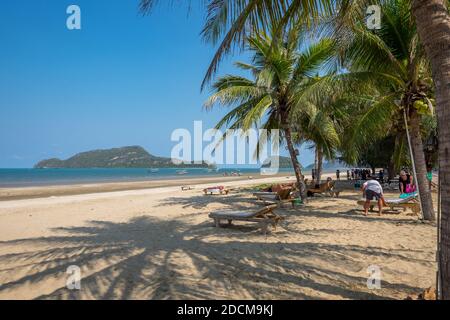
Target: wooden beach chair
(264, 217)
(411, 203)
(279, 198)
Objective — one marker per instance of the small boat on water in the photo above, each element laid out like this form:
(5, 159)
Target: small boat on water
(154, 170)
(182, 172)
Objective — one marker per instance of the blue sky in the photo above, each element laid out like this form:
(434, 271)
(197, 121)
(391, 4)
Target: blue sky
(123, 79)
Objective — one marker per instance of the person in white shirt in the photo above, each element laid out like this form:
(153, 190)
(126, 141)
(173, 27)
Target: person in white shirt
(373, 189)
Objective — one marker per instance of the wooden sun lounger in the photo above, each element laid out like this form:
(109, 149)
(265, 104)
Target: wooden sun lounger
(408, 203)
(266, 196)
(280, 197)
(264, 217)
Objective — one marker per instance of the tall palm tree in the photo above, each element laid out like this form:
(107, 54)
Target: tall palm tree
(432, 18)
(319, 123)
(393, 61)
(433, 24)
(281, 72)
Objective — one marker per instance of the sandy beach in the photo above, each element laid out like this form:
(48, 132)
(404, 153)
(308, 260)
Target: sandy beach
(159, 243)
(18, 193)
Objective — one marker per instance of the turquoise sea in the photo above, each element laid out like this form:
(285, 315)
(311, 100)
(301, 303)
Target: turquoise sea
(37, 177)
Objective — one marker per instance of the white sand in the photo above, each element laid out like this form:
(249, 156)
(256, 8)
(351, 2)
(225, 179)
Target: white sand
(160, 244)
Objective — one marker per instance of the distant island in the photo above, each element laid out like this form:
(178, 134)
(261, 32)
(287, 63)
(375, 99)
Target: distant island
(125, 157)
(284, 162)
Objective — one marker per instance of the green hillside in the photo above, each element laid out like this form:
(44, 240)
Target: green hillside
(126, 157)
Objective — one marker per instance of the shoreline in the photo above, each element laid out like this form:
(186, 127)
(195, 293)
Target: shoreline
(48, 191)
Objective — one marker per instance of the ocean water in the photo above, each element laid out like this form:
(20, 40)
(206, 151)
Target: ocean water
(44, 177)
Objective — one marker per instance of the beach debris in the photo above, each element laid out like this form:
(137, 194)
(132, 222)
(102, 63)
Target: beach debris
(428, 294)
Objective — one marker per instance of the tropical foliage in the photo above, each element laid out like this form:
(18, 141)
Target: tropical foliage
(274, 96)
(391, 62)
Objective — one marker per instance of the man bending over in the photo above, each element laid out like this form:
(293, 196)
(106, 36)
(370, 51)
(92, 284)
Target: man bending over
(373, 189)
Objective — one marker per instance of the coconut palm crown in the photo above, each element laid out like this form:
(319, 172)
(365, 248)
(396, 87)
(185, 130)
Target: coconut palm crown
(281, 71)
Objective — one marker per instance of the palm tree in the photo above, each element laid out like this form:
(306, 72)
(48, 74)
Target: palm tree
(281, 72)
(433, 24)
(320, 123)
(393, 61)
(432, 19)
(230, 22)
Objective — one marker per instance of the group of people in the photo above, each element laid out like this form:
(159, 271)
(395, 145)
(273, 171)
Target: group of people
(360, 174)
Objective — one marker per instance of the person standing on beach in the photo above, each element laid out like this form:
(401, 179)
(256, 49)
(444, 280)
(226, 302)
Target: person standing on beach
(373, 189)
(381, 175)
(338, 174)
(430, 176)
(363, 174)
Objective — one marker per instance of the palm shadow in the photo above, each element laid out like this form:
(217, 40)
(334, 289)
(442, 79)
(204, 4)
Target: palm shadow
(239, 201)
(150, 258)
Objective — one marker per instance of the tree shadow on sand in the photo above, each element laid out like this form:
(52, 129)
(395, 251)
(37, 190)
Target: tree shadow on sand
(237, 200)
(150, 258)
(396, 217)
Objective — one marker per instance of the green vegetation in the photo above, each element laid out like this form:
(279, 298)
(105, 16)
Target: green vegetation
(282, 73)
(126, 157)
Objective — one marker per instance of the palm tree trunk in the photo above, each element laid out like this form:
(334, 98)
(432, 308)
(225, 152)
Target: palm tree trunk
(421, 167)
(295, 163)
(433, 25)
(319, 164)
(316, 164)
(391, 170)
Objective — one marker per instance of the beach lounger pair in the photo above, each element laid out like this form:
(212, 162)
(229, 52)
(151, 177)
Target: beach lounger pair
(265, 217)
(411, 203)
